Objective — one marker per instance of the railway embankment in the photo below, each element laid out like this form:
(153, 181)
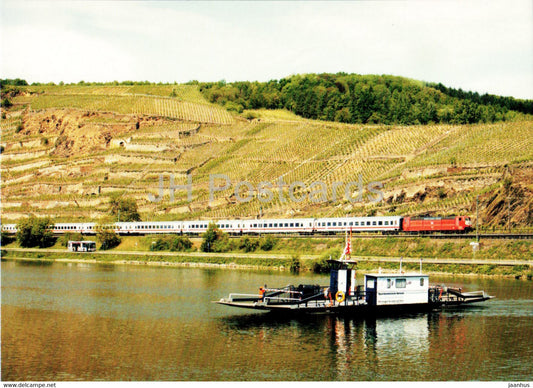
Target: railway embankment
(275, 261)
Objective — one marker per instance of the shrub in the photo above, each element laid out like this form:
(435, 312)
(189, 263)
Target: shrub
(35, 232)
(267, 243)
(180, 243)
(295, 264)
(6, 103)
(172, 243)
(108, 238)
(6, 238)
(248, 244)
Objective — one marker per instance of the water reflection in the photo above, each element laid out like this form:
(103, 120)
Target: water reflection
(93, 322)
(350, 348)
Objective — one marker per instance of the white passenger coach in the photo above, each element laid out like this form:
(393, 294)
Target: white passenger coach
(273, 226)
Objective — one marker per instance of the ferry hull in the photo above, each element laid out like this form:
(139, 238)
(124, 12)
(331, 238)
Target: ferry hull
(352, 309)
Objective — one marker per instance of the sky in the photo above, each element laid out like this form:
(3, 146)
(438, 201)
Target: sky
(477, 45)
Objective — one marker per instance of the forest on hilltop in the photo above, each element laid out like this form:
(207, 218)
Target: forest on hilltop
(372, 99)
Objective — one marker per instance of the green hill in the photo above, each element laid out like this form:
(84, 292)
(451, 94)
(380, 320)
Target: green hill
(67, 149)
(367, 99)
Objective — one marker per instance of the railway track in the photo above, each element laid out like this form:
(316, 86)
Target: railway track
(511, 236)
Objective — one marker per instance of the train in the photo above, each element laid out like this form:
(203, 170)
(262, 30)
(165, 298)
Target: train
(383, 224)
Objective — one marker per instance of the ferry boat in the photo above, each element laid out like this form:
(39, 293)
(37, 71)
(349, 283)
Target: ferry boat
(381, 292)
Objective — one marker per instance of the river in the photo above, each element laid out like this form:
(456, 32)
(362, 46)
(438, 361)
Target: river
(93, 322)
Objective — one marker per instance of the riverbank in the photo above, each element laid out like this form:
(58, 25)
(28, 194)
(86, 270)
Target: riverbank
(274, 261)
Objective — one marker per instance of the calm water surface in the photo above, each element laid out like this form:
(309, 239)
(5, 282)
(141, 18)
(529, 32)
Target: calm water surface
(101, 322)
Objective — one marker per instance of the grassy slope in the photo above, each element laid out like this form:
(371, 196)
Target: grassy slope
(491, 250)
(433, 169)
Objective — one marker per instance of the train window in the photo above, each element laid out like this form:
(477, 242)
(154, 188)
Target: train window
(421, 282)
(351, 223)
(270, 225)
(389, 283)
(356, 223)
(254, 226)
(286, 225)
(401, 283)
(386, 222)
(329, 223)
(380, 222)
(368, 222)
(275, 225)
(334, 224)
(292, 225)
(345, 224)
(374, 223)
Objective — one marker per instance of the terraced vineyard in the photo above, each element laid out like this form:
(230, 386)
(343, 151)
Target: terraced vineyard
(67, 149)
(186, 104)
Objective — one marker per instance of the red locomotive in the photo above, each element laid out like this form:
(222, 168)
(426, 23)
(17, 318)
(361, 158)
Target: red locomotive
(436, 224)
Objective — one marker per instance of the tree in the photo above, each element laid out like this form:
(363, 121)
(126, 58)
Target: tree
(124, 209)
(35, 232)
(214, 240)
(108, 238)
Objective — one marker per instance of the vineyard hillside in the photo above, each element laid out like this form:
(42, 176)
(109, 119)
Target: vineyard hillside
(68, 149)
